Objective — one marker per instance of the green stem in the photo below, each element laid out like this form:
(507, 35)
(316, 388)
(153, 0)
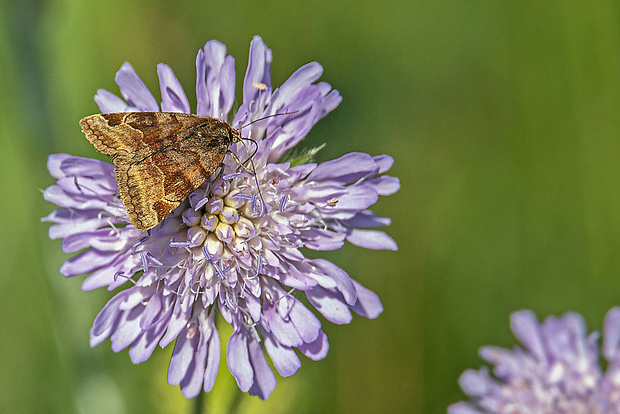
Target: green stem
(234, 407)
(198, 404)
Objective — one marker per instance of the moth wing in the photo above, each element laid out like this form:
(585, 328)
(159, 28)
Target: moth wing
(153, 187)
(134, 132)
(109, 134)
(160, 157)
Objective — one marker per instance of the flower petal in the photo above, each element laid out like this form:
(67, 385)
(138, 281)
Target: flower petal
(264, 381)
(346, 169)
(611, 334)
(368, 303)
(526, 328)
(108, 102)
(331, 305)
(367, 219)
(384, 185)
(86, 262)
(173, 98)
(284, 359)
(371, 239)
(134, 90)
(384, 162)
(215, 86)
(238, 359)
(297, 82)
(317, 349)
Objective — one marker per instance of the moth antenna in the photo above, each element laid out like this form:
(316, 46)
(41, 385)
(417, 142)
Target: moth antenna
(265, 117)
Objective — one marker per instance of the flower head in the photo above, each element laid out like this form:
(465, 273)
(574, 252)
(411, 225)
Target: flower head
(556, 372)
(234, 247)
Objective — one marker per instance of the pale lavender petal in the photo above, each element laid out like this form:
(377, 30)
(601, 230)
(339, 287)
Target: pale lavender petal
(238, 359)
(152, 311)
(113, 275)
(330, 101)
(291, 129)
(305, 322)
(127, 331)
(300, 79)
(284, 359)
(213, 361)
(215, 87)
(54, 194)
(293, 277)
(368, 303)
(284, 331)
(178, 321)
(371, 239)
(54, 164)
(384, 185)
(611, 334)
(330, 304)
(215, 55)
(189, 359)
(258, 69)
(346, 169)
(474, 383)
(143, 347)
(331, 276)
(227, 86)
(71, 223)
(367, 219)
(182, 360)
(97, 186)
(356, 198)
(173, 98)
(463, 408)
(108, 102)
(86, 262)
(524, 324)
(264, 381)
(384, 162)
(63, 165)
(194, 381)
(317, 349)
(101, 240)
(323, 240)
(134, 90)
(353, 198)
(105, 320)
(202, 95)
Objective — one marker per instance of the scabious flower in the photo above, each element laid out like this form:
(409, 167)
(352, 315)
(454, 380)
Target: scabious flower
(229, 248)
(557, 371)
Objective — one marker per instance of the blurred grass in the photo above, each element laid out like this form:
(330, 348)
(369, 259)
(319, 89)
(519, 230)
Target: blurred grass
(503, 121)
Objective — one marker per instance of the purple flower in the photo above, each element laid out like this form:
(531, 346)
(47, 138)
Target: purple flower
(557, 371)
(223, 250)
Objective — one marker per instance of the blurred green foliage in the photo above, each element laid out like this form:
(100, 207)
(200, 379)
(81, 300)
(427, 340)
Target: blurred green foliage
(503, 119)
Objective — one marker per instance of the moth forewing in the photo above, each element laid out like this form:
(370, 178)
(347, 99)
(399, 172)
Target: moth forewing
(159, 157)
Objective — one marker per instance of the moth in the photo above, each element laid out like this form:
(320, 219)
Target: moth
(159, 157)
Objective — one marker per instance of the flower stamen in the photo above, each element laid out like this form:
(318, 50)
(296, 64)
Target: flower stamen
(283, 202)
(228, 177)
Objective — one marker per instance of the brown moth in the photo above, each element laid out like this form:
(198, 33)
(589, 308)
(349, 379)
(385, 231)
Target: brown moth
(159, 157)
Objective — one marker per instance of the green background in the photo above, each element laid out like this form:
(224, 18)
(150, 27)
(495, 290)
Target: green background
(503, 118)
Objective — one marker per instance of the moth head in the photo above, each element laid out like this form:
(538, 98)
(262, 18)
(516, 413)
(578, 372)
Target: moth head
(234, 135)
